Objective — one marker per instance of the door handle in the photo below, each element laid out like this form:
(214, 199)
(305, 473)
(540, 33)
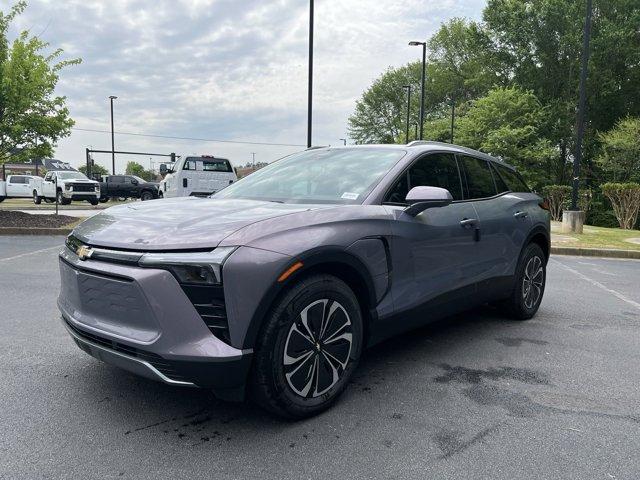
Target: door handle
(520, 214)
(468, 222)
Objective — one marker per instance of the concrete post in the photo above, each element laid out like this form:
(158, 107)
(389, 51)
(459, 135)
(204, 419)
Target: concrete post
(572, 221)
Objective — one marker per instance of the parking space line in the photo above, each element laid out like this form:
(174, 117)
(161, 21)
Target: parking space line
(599, 285)
(29, 253)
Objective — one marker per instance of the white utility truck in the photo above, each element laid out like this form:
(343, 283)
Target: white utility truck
(66, 186)
(196, 176)
(16, 186)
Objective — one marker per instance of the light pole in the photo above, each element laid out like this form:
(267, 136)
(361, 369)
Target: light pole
(424, 73)
(408, 89)
(581, 107)
(453, 115)
(113, 142)
(344, 141)
(415, 125)
(310, 89)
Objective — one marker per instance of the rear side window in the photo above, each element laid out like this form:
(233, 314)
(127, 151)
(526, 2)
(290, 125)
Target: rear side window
(18, 180)
(479, 181)
(500, 185)
(216, 166)
(434, 170)
(512, 178)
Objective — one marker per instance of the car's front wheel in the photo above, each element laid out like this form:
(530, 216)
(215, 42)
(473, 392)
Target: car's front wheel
(36, 198)
(308, 349)
(530, 280)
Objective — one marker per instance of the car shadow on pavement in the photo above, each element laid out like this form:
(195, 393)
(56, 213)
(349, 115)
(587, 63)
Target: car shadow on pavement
(138, 406)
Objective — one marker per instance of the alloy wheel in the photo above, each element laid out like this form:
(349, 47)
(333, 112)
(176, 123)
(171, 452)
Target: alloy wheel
(317, 349)
(532, 282)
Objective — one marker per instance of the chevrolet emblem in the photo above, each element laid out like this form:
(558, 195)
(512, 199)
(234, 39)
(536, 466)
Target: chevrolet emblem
(84, 252)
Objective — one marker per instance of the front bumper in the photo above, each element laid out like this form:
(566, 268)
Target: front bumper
(140, 319)
(80, 195)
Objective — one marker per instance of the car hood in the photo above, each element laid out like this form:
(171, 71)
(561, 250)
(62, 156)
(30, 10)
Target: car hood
(178, 223)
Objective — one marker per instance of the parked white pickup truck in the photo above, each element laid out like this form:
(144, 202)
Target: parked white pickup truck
(16, 186)
(66, 186)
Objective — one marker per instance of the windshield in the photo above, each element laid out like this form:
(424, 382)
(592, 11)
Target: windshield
(317, 176)
(68, 175)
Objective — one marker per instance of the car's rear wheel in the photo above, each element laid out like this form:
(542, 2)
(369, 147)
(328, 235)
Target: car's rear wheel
(36, 198)
(308, 349)
(530, 280)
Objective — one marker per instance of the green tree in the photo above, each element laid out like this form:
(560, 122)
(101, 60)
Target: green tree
(538, 44)
(380, 115)
(134, 168)
(32, 117)
(96, 169)
(620, 157)
(506, 123)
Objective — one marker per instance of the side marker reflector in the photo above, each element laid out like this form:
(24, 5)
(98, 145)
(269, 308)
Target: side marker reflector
(287, 273)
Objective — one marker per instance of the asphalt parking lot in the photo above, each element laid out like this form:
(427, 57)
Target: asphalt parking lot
(475, 397)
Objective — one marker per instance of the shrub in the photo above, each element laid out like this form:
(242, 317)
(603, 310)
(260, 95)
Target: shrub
(556, 195)
(625, 200)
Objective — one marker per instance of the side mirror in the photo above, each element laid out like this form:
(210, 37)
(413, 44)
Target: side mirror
(163, 169)
(134, 182)
(421, 198)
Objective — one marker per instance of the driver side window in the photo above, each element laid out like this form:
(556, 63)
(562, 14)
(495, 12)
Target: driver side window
(434, 170)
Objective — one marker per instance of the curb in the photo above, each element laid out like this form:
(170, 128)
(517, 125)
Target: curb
(596, 252)
(34, 231)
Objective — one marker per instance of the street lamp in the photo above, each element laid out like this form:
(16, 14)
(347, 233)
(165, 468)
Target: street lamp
(424, 72)
(408, 89)
(310, 89)
(113, 143)
(344, 141)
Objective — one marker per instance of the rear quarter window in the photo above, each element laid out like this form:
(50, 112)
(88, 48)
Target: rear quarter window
(514, 181)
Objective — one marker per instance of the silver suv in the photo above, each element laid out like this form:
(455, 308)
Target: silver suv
(275, 285)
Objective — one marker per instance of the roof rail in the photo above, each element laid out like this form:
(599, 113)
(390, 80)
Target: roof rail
(418, 142)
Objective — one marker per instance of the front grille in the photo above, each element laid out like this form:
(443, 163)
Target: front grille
(83, 187)
(209, 303)
(155, 360)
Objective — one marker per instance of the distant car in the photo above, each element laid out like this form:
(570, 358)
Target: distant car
(66, 186)
(276, 284)
(16, 186)
(127, 186)
(197, 177)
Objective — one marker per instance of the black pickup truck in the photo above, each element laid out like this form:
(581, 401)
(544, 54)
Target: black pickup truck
(126, 186)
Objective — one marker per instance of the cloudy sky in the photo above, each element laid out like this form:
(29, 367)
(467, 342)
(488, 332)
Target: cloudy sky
(224, 69)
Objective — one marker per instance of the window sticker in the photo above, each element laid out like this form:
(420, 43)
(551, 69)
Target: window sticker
(350, 196)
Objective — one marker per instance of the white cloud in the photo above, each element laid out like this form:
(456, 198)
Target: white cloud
(225, 69)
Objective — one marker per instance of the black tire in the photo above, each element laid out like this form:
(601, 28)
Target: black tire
(146, 195)
(285, 358)
(93, 202)
(104, 199)
(36, 199)
(62, 200)
(528, 289)
(2, 199)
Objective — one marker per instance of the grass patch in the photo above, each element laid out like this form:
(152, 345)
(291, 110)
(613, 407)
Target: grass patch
(595, 237)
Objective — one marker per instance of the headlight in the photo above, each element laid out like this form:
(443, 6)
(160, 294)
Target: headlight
(97, 188)
(201, 268)
(67, 186)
